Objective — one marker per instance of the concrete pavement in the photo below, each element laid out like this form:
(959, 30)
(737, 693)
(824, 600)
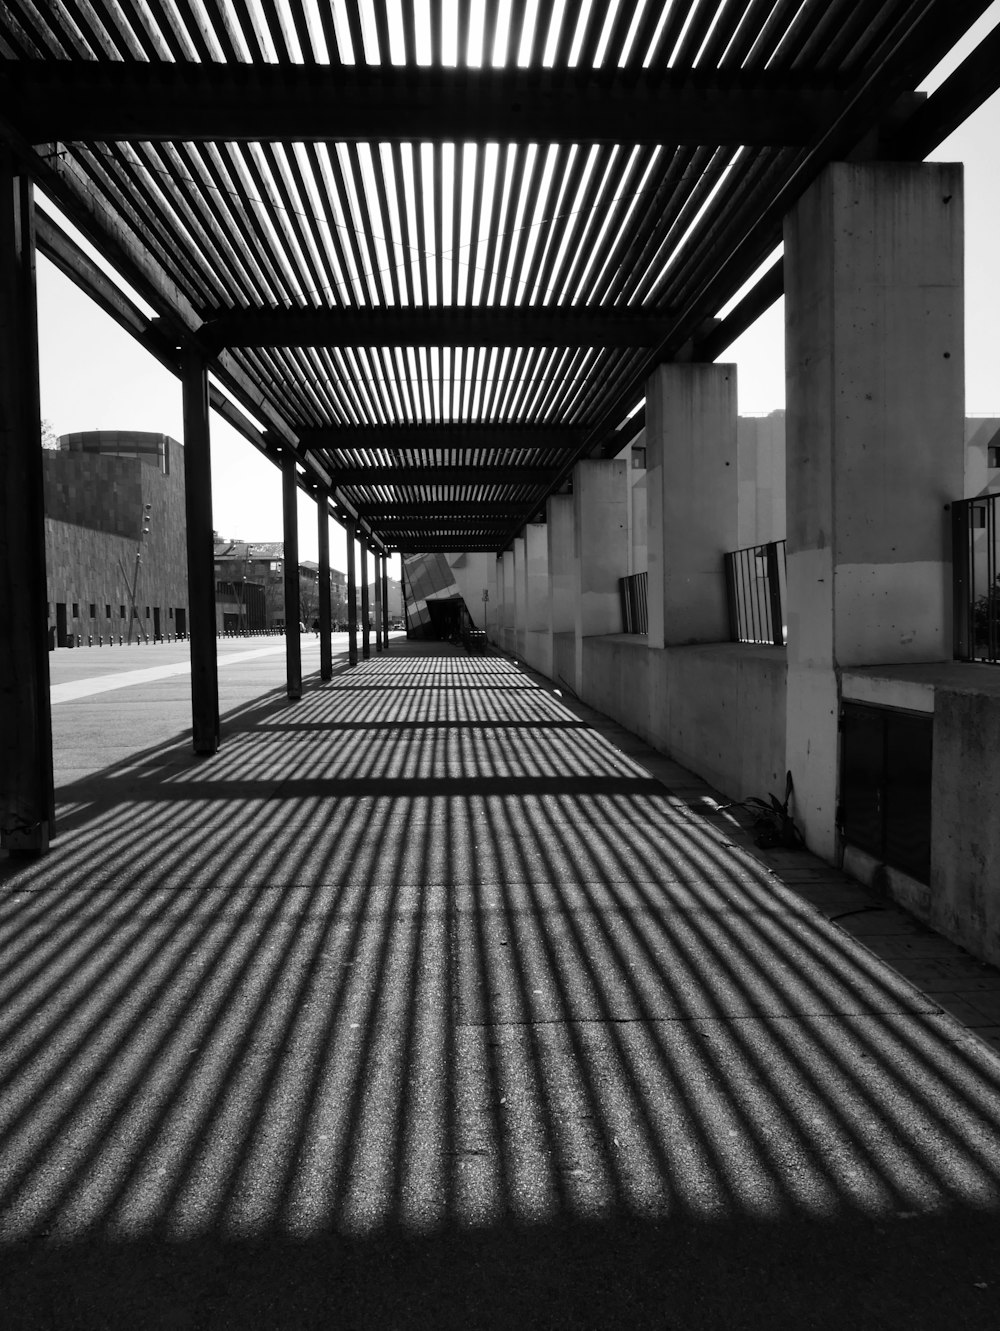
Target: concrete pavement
(426, 1002)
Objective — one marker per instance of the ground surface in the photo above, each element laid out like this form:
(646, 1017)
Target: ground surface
(434, 1000)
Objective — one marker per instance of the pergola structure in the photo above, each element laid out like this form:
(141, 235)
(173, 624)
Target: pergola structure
(424, 254)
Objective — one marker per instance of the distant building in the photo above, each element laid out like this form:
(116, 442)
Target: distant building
(250, 587)
(115, 545)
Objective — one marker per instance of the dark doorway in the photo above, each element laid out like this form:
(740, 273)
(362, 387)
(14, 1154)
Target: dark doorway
(157, 635)
(180, 621)
(885, 785)
(60, 624)
(446, 619)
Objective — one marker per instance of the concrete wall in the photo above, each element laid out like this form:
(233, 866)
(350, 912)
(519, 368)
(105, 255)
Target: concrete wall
(717, 708)
(874, 445)
(962, 898)
(965, 826)
(760, 453)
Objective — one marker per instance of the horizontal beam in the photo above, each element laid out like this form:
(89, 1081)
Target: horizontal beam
(453, 437)
(108, 101)
(450, 547)
(534, 326)
(442, 476)
(438, 511)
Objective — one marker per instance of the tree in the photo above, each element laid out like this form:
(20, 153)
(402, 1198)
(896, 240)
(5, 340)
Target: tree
(49, 437)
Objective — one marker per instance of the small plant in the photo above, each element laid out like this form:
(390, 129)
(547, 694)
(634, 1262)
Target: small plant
(772, 823)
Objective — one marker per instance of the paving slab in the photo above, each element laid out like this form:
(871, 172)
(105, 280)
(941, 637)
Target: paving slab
(425, 1003)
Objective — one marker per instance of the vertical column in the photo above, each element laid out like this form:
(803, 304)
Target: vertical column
(377, 570)
(325, 627)
(600, 521)
(352, 593)
(27, 801)
(561, 543)
(692, 499)
(875, 443)
(508, 637)
(293, 611)
(520, 596)
(537, 636)
(385, 602)
(366, 645)
(200, 556)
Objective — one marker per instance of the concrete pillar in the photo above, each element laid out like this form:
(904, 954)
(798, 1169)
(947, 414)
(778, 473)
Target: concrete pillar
(508, 636)
(638, 553)
(562, 583)
(520, 596)
(875, 403)
(537, 632)
(600, 522)
(27, 802)
(325, 626)
(691, 500)
(352, 593)
(200, 556)
(293, 609)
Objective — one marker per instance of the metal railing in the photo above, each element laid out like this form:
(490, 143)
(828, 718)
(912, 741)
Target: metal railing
(635, 608)
(755, 588)
(976, 572)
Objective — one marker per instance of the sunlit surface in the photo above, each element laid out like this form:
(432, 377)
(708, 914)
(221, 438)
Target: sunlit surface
(424, 955)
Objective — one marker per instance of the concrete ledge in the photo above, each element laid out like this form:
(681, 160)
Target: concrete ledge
(885, 880)
(718, 708)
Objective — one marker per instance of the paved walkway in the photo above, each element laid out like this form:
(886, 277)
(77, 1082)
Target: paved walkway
(426, 1003)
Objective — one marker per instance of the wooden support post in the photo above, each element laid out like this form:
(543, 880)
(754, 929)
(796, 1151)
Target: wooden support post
(325, 644)
(385, 601)
(200, 556)
(293, 609)
(378, 601)
(352, 593)
(366, 644)
(27, 799)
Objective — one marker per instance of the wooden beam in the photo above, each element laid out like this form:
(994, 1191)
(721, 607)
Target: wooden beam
(156, 101)
(454, 437)
(435, 326)
(366, 641)
(434, 510)
(200, 555)
(27, 800)
(364, 477)
(350, 531)
(293, 613)
(323, 610)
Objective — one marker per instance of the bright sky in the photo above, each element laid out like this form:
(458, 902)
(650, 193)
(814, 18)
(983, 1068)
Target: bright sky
(94, 376)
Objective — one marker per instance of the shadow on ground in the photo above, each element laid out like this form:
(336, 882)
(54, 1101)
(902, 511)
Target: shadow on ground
(423, 1005)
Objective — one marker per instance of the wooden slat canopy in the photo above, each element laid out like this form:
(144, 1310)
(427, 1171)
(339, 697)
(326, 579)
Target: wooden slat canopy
(437, 260)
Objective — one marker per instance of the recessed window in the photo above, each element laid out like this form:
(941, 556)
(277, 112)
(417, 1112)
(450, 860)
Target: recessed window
(147, 611)
(993, 455)
(93, 610)
(76, 609)
(639, 458)
(107, 611)
(121, 612)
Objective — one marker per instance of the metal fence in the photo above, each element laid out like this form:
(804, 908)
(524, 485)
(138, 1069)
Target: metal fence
(976, 571)
(635, 609)
(755, 587)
